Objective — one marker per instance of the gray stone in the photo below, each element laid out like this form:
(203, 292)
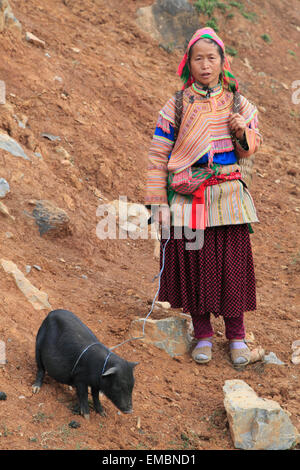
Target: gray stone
(50, 218)
(256, 423)
(169, 334)
(11, 146)
(171, 22)
(271, 358)
(51, 137)
(4, 187)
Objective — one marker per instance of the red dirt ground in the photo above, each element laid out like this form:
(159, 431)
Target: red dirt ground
(105, 109)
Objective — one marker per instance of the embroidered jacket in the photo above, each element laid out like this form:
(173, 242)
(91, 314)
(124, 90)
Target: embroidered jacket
(204, 136)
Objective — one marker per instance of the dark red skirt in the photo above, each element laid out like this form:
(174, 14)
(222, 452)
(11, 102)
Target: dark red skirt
(218, 278)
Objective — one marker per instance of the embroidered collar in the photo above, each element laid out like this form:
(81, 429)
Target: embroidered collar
(206, 91)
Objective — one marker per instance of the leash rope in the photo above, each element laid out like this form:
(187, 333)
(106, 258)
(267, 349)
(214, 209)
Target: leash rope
(145, 319)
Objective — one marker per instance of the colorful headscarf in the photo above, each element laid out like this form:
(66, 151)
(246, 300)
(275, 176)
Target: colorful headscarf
(229, 80)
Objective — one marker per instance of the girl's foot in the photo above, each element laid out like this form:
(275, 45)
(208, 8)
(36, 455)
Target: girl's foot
(202, 352)
(239, 352)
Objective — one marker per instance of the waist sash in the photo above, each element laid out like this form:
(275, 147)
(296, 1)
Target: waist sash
(193, 181)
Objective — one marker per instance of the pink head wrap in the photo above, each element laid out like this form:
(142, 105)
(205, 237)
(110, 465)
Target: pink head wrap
(229, 80)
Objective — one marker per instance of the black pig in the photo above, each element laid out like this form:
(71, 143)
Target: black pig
(66, 350)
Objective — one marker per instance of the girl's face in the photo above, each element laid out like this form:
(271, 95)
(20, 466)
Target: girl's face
(205, 63)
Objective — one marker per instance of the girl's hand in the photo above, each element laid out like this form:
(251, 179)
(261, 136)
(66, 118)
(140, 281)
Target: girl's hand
(237, 125)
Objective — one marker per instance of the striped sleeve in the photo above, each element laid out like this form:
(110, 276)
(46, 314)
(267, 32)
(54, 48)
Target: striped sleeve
(253, 136)
(157, 174)
(159, 153)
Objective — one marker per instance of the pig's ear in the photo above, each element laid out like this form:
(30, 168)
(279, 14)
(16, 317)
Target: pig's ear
(110, 371)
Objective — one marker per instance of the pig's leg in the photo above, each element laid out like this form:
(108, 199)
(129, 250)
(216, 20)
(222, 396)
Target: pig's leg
(39, 376)
(97, 405)
(82, 393)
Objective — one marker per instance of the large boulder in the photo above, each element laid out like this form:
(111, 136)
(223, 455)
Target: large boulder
(170, 22)
(51, 219)
(256, 423)
(169, 334)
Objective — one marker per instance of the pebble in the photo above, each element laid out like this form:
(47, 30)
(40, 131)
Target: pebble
(4, 187)
(3, 396)
(51, 137)
(34, 40)
(74, 424)
(271, 358)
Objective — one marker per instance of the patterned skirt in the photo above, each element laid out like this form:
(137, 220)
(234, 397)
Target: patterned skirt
(217, 278)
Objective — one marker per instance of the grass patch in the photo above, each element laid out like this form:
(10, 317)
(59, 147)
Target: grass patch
(212, 23)
(266, 38)
(250, 16)
(208, 7)
(231, 51)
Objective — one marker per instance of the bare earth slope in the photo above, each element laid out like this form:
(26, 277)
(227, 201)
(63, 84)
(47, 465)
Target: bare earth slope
(98, 84)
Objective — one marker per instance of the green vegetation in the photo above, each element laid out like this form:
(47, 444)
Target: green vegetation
(208, 7)
(231, 51)
(266, 38)
(212, 23)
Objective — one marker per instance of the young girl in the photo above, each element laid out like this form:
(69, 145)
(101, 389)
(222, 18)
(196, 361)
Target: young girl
(194, 182)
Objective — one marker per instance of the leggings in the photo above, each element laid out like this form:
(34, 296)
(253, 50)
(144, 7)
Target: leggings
(234, 327)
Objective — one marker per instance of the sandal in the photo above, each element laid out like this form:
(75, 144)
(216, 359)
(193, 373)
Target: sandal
(202, 352)
(239, 352)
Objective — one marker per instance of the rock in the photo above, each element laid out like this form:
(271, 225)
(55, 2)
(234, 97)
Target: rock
(2, 353)
(296, 358)
(51, 137)
(5, 211)
(2, 92)
(296, 344)
(7, 18)
(169, 334)
(34, 40)
(50, 218)
(3, 396)
(4, 187)
(37, 298)
(271, 358)
(256, 423)
(11, 146)
(296, 352)
(171, 22)
(74, 424)
(62, 151)
(165, 305)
